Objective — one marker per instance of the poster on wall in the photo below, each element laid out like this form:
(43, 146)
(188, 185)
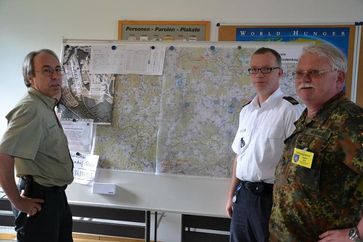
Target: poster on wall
(341, 36)
(338, 36)
(135, 30)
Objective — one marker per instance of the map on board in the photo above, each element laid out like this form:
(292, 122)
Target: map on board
(85, 95)
(130, 104)
(203, 91)
(184, 121)
(130, 142)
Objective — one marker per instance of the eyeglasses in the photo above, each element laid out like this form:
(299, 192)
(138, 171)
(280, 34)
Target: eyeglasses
(263, 70)
(48, 71)
(312, 74)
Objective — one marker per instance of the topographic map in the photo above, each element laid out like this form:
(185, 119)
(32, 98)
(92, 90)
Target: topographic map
(131, 104)
(202, 94)
(130, 142)
(203, 90)
(184, 121)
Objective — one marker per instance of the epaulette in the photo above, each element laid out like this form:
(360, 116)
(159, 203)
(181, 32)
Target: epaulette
(246, 103)
(291, 100)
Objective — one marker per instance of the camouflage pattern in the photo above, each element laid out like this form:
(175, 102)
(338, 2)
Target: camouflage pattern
(308, 202)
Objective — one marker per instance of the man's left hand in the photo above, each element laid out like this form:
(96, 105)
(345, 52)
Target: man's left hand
(340, 235)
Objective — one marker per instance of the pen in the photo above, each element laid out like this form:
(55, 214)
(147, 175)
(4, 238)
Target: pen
(242, 142)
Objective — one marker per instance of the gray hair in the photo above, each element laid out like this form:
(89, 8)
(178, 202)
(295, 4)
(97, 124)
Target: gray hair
(28, 64)
(336, 57)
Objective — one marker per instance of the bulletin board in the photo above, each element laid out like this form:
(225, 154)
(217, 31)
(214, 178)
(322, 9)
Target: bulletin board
(137, 30)
(342, 36)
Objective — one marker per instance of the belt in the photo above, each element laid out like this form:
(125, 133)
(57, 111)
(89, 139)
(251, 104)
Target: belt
(37, 186)
(27, 183)
(257, 187)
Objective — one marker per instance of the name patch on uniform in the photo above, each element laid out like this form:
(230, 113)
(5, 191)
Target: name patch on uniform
(302, 158)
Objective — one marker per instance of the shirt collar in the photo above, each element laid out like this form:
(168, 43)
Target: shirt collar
(49, 101)
(324, 112)
(272, 100)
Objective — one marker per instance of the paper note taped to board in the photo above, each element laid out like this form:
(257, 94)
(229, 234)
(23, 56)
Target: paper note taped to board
(104, 188)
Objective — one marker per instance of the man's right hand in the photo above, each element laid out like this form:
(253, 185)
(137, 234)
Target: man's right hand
(30, 206)
(229, 207)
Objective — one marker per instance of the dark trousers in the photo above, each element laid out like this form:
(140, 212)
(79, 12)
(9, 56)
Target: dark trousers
(251, 212)
(52, 224)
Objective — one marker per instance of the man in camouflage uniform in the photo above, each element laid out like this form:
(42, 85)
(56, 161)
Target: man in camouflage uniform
(318, 192)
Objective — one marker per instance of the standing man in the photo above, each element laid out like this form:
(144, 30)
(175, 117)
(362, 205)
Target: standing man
(264, 123)
(36, 145)
(318, 193)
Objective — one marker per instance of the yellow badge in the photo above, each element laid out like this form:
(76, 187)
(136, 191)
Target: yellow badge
(302, 158)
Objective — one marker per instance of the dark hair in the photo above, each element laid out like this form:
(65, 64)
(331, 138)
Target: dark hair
(264, 50)
(28, 64)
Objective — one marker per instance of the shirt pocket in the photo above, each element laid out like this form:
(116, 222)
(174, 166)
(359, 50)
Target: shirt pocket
(275, 142)
(53, 138)
(315, 141)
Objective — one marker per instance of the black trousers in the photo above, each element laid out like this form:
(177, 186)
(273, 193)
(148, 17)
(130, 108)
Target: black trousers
(251, 212)
(52, 224)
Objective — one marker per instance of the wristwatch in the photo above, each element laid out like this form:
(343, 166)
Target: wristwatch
(354, 234)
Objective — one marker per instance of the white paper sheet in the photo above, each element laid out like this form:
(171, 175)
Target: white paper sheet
(79, 134)
(127, 59)
(85, 166)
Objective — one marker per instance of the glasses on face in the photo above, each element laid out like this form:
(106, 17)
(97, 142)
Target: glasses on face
(49, 71)
(263, 70)
(311, 74)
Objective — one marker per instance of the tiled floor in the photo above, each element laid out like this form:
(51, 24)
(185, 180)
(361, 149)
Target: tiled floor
(8, 235)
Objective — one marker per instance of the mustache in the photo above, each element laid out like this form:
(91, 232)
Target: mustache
(305, 85)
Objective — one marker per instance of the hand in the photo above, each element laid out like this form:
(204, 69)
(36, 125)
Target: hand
(30, 206)
(229, 207)
(340, 235)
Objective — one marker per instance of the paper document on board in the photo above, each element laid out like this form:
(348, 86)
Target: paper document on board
(79, 134)
(85, 166)
(127, 59)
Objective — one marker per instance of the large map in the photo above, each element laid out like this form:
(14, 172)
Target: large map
(203, 91)
(184, 121)
(130, 103)
(130, 142)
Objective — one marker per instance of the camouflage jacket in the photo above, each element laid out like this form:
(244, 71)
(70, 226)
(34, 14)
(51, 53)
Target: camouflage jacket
(329, 195)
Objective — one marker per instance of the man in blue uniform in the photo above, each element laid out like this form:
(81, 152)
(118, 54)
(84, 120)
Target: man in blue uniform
(264, 123)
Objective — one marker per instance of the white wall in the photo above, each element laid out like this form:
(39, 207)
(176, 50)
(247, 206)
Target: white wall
(27, 25)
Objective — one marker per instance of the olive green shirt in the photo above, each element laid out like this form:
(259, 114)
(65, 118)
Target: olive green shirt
(36, 140)
(329, 195)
